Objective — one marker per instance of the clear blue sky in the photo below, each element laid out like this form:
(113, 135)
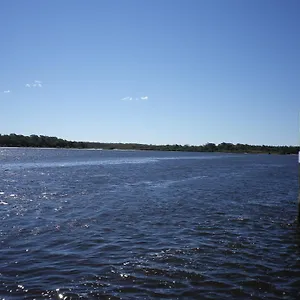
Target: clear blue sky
(211, 71)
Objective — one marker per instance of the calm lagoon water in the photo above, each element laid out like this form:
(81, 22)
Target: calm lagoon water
(84, 224)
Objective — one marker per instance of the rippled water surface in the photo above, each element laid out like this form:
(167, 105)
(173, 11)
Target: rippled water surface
(82, 224)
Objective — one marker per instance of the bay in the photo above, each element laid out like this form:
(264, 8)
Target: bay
(92, 224)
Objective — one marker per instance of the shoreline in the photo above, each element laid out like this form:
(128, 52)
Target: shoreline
(50, 142)
(134, 150)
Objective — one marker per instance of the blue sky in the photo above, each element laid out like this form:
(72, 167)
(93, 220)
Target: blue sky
(189, 72)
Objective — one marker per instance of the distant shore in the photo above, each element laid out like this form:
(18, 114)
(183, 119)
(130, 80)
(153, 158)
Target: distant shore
(41, 141)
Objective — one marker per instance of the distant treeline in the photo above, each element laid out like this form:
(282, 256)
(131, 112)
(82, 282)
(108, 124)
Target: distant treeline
(41, 141)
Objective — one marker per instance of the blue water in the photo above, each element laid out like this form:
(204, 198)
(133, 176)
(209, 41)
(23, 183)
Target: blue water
(91, 224)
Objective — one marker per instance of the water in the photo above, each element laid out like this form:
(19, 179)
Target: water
(82, 224)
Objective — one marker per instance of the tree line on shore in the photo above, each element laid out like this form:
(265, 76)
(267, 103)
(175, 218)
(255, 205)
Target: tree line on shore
(41, 141)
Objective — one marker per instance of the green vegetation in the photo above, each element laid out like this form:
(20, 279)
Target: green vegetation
(14, 140)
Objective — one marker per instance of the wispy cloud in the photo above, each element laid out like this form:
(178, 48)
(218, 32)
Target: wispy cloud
(136, 98)
(127, 99)
(36, 83)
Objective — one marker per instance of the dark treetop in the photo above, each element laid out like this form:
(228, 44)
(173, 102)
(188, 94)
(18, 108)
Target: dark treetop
(16, 140)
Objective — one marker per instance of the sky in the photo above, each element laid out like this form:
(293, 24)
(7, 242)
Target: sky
(156, 72)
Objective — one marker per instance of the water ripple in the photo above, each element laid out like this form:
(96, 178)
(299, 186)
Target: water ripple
(120, 225)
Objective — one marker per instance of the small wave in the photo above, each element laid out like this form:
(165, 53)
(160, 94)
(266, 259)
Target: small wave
(117, 161)
(30, 165)
(162, 183)
(167, 183)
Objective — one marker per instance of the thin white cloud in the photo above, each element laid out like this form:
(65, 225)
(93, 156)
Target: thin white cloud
(6, 92)
(127, 99)
(136, 98)
(36, 83)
